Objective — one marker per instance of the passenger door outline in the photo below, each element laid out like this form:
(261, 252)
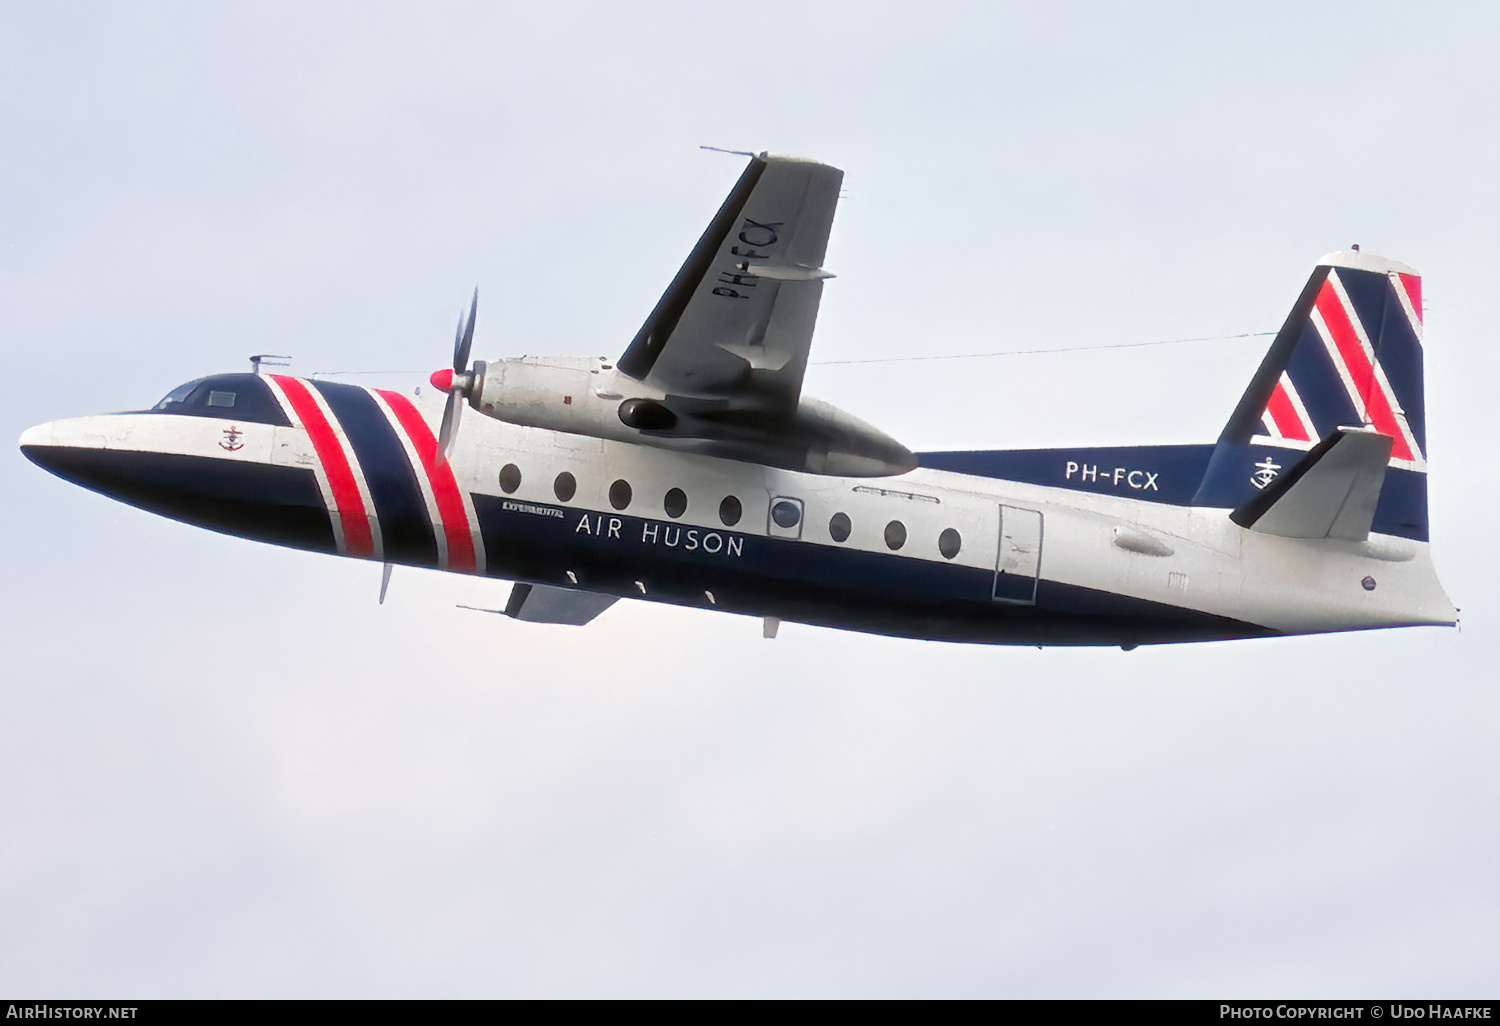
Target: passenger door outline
(1018, 563)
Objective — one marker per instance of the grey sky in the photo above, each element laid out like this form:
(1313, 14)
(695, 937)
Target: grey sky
(227, 772)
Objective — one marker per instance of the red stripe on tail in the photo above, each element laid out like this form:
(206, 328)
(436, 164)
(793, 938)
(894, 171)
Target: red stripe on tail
(1284, 415)
(1361, 371)
(1413, 285)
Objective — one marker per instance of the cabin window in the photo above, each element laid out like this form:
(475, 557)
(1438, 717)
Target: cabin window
(225, 399)
(730, 511)
(675, 503)
(839, 527)
(619, 494)
(949, 542)
(510, 478)
(895, 534)
(785, 514)
(565, 487)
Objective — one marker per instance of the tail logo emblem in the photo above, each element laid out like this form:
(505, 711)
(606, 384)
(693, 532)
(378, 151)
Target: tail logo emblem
(1265, 472)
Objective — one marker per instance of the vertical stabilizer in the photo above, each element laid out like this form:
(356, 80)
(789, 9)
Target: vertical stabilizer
(1348, 356)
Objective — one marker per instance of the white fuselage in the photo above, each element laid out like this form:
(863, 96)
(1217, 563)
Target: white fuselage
(1105, 567)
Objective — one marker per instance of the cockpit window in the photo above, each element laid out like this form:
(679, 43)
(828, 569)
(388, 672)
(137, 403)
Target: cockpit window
(243, 397)
(177, 396)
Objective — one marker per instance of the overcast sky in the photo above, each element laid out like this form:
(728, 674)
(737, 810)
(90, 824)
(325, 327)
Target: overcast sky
(225, 771)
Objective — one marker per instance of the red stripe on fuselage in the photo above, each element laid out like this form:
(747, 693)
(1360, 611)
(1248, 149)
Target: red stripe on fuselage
(450, 501)
(355, 520)
(1361, 370)
(1284, 415)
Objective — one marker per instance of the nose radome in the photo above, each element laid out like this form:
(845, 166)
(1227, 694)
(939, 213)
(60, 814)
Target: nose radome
(90, 432)
(49, 446)
(39, 435)
(62, 447)
(79, 450)
(40, 445)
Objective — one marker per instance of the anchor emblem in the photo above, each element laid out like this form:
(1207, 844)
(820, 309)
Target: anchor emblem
(231, 440)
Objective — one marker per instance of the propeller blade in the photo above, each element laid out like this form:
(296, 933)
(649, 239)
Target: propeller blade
(385, 582)
(465, 338)
(458, 383)
(450, 426)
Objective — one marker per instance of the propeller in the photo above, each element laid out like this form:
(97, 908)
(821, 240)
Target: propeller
(458, 382)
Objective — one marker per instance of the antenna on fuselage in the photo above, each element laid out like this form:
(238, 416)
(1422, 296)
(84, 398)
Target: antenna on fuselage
(270, 360)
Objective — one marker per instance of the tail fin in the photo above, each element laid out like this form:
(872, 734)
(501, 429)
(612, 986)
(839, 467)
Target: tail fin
(1349, 355)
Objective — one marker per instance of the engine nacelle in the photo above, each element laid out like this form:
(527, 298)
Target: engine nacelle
(587, 395)
(577, 394)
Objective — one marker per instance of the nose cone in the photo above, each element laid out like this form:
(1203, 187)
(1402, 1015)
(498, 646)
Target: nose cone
(442, 380)
(74, 450)
(56, 446)
(200, 470)
(33, 437)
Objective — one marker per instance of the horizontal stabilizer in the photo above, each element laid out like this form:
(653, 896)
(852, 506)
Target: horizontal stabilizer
(540, 603)
(1330, 493)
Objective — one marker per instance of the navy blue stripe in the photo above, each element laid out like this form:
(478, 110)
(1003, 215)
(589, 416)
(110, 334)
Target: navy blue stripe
(814, 583)
(405, 524)
(1220, 476)
(1155, 473)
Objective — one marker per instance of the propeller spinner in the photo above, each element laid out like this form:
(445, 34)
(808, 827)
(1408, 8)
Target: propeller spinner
(458, 382)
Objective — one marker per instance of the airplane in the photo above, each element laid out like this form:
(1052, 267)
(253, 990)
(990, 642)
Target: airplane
(692, 470)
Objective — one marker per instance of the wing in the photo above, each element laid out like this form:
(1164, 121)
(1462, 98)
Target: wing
(735, 325)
